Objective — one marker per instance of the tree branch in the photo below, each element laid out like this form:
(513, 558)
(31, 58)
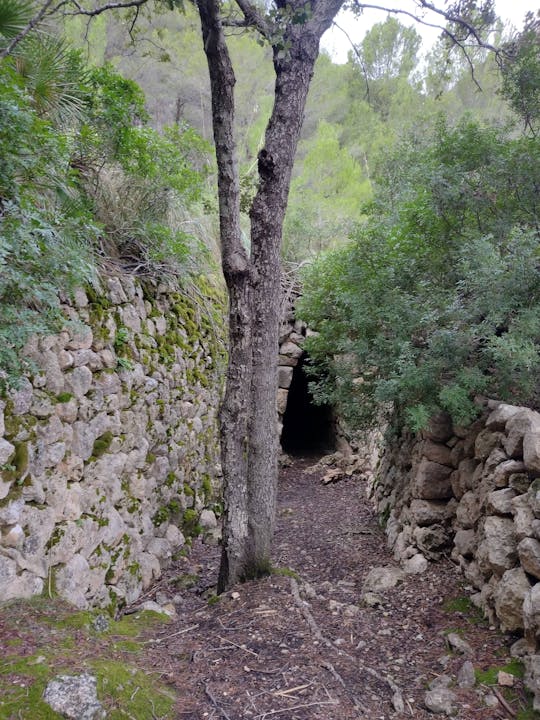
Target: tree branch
(103, 8)
(358, 56)
(253, 18)
(24, 32)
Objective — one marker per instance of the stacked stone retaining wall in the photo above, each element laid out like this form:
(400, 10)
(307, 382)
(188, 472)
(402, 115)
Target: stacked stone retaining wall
(109, 450)
(474, 494)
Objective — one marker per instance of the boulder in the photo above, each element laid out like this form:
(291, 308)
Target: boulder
(498, 418)
(426, 512)
(485, 442)
(469, 510)
(529, 556)
(499, 502)
(509, 595)
(436, 452)
(74, 697)
(516, 428)
(531, 448)
(439, 428)
(465, 542)
(382, 578)
(498, 550)
(432, 481)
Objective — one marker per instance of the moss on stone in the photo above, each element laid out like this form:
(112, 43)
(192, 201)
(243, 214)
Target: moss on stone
(101, 445)
(190, 523)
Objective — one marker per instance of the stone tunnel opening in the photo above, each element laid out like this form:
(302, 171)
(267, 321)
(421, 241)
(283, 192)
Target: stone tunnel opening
(308, 429)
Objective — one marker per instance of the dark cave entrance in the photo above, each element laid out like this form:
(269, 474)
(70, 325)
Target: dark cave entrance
(308, 429)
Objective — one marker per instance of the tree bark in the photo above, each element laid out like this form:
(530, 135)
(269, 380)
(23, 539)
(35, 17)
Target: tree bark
(249, 421)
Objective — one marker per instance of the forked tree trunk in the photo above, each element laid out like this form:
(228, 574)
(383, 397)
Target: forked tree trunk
(248, 418)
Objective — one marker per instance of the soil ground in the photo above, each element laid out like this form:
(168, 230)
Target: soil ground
(299, 644)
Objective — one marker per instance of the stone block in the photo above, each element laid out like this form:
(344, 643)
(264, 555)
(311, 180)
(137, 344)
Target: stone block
(285, 374)
(290, 349)
(437, 453)
(500, 415)
(465, 542)
(469, 510)
(426, 512)
(439, 428)
(432, 481)
(516, 428)
(529, 556)
(485, 442)
(281, 400)
(499, 502)
(509, 595)
(498, 550)
(531, 449)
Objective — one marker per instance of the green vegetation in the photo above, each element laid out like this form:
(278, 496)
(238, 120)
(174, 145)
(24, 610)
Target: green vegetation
(489, 677)
(51, 639)
(83, 174)
(437, 297)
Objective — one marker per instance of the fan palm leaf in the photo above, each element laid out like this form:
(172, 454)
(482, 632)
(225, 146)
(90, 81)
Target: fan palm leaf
(14, 17)
(54, 76)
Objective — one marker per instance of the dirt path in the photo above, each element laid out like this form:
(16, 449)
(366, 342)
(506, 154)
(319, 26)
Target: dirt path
(305, 647)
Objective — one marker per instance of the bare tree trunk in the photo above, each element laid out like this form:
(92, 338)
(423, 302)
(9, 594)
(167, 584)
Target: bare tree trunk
(249, 422)
(236, 269)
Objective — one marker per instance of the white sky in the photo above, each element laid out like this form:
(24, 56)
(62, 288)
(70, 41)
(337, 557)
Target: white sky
(336, 43)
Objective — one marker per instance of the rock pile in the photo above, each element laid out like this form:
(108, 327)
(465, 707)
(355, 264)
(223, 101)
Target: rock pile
(475, 494)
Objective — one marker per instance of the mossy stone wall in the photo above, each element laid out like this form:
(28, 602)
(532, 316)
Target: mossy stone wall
(109, 452)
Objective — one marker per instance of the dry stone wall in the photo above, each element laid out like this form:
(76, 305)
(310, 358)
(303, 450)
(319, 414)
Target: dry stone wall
(474, 494)
(109, 452)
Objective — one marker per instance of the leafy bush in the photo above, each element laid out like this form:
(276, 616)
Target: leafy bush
(437, 298)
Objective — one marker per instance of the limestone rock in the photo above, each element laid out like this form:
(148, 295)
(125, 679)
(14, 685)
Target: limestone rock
(523, 516)
(465, 542)
(415, 565)
(382, 578)
(532, 678)
(516, 428)
(466, 677)
(285, 377)
(498, 550)
(509, 595)
(469, 510)
(529, 556)
(207, 520)
(71, 581)
(458, 644)
(432, 540)
(437, 453)
(504, 470)
(432, 481)
(439, 428)
(462, 478)
(427, 512)
(74, 697)
(531, 613)
(440, 701)
(6, 451)
(486, 441)
(499, 502)
(290, 349)
(531, 448)
(498, 418)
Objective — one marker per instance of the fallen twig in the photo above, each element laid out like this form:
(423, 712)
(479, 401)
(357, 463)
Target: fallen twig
(247, 650)
(215, 703)
(503, 702)
(180, 632)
